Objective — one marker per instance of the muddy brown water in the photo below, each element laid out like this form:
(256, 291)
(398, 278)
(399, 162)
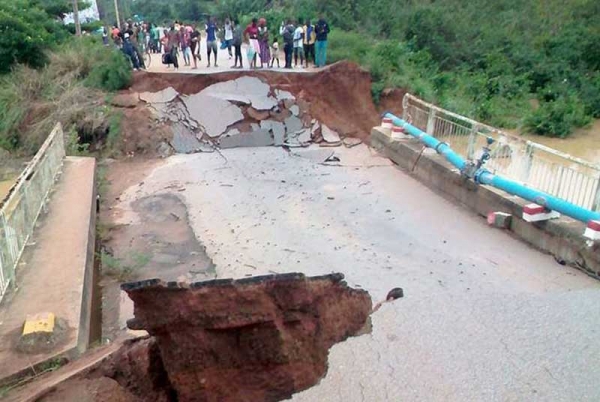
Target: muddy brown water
(584, 143)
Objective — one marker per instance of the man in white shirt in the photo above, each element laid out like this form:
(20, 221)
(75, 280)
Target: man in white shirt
(299, 45)
(228, 36)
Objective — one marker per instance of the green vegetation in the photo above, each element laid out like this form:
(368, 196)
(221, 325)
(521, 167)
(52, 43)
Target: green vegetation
(508, 62)
(47, 76)
(123, 269)
(68, 89)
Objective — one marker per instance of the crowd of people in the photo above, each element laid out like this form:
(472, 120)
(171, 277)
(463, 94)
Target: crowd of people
(303, 42)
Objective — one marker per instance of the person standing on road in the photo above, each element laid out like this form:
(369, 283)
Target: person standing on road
(172, 45)
(263, 41)
(195, 37)
(275, 53)
(299, 44)
(322, 30)
(310, 37)
(186, 51)
(237, 44)
(211, 40)
(251, 33)
(228, 36)
(129, 50)
(287, 31)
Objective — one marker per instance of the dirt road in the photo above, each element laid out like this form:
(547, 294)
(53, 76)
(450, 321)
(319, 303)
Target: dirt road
(484, 316)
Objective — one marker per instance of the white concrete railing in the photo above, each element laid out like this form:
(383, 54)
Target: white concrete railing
(24, 203)
(535, 165)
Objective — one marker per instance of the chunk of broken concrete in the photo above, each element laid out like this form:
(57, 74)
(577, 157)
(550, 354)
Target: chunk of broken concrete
(283, 95)
(304, 136)
(277, 128)
(293, 124)
(164, 150)
(164, 96)
(255, 339)
(295, 110)
(258, 138)
(248, 90)
(329, 135)
(213, 114)
(184, 140)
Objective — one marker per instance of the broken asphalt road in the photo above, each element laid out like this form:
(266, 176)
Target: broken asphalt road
(484, 317)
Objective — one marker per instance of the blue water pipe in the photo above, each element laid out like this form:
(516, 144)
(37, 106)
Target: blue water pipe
(483, 176)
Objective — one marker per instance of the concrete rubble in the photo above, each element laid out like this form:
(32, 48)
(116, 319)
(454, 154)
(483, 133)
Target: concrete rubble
(329, 135)
(250, 113)
(258, 138)
(184, 140)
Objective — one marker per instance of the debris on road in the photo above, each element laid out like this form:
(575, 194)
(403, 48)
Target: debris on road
(246, 107)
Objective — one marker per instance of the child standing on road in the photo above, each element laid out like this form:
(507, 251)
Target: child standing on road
(275, 52)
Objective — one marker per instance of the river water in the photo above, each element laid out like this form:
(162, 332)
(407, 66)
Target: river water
(584, 143)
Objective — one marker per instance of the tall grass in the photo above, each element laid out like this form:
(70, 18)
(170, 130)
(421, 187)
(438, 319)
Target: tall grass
(68, 90)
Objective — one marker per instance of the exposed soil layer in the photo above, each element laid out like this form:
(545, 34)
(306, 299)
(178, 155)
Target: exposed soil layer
(339, 95)
(255, 339)
(391, 101)
(141, 135)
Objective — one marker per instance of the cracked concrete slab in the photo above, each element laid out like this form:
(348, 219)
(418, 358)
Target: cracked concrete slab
(258, 138)
(316, 126)
(282, 95)
(293, 124)
(277, 128)
(164, 96)
(304, 136)
(213, 114)
(184, 140)
(329, 135)
(247, 90)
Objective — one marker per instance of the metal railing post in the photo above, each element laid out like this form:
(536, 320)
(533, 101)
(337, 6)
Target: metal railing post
(472, 141)
(405, 107)
(431, 122)
(528, 163)
(597, 196)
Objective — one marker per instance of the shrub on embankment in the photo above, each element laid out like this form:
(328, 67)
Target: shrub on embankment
(71, 88)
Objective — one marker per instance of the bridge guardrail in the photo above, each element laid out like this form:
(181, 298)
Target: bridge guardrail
(20, 210)
(534, 165)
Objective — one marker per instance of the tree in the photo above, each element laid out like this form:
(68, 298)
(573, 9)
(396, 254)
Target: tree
(26, 31)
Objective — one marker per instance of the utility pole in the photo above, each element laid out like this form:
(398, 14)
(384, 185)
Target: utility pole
(117, 14)
(76, 18)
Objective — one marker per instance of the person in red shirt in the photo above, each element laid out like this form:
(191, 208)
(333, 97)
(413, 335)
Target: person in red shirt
(115, 33)
(251, 34)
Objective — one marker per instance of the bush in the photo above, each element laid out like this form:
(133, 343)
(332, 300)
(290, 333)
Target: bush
(112, 71)
(348, 46)
(67, 90)
(26, 32)
(557, 118)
